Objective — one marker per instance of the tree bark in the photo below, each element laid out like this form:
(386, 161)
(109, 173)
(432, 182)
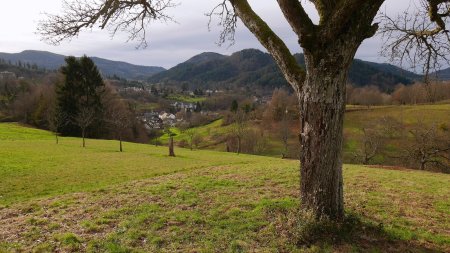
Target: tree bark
(120, 141)
(171, 152)
(422, 163)
(329, 49)
(238, 145)
(322, 106)
(84, 142)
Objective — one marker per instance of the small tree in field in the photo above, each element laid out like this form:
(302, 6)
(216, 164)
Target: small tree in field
(120, 119)
(170, 144)
(371, 144)
(171, 149)
(83, 120)
(56, 119)
(239, 128)
(430, 146)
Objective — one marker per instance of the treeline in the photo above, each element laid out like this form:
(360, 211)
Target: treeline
(76, 101)
(24, 69)
(417, 93)
(20, 64)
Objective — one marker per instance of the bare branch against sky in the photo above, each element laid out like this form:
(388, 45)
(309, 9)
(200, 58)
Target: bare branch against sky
(169, 43)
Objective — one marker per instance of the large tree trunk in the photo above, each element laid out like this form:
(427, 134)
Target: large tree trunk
(329, 49)
(322, 106)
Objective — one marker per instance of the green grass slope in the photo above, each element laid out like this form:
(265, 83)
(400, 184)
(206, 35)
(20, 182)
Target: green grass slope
(63, 198)
(32, 165)
(356, 118)
(408, 114)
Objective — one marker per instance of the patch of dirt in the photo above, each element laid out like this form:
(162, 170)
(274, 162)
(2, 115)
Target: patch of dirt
(386, 167)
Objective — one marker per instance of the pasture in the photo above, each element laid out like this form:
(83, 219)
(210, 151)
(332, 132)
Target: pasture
(68, 199)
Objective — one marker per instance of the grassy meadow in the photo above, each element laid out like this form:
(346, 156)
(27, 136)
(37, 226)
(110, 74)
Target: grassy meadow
(63, 198)
(358, 117)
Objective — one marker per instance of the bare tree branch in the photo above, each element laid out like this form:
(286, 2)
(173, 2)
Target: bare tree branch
(227, 20)
(299, 21)
(430, 145)
(130, 16)
(419, 39)
(84, 119)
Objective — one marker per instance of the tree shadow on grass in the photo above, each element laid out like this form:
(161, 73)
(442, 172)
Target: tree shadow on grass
(354, 234)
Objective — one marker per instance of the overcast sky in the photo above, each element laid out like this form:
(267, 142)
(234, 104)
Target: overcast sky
(170, 43)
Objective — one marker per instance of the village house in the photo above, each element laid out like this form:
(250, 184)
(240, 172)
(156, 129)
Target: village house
(7, 76)
(186, 107)
(168, 119)
(152, 120)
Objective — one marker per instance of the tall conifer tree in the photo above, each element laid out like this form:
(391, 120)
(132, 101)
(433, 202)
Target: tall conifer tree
(83, 87)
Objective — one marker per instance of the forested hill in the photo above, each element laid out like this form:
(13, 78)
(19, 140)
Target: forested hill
(51, 61)
(252, 67)
(249, 67)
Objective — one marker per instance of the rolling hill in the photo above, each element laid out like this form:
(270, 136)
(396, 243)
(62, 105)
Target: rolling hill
(253, 67)
(53, 61)
(63, 198)
(249, 67)
(443, 74)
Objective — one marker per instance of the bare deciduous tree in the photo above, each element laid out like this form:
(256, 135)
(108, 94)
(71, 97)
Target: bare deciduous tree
(390, 127)
(120, 120)
(170, 144)
(329, 48)
(239, 128)
(56, 119)
(261, 142)
(83, 120)
(430, 146)
(171, 150)
(371, 143)
(368, 96)
(421, 39)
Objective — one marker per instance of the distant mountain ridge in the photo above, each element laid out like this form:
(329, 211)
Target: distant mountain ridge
(443, 74)
(247, 67)
(254, 67)
(52, 61)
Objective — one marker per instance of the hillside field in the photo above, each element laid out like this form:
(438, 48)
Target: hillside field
(356, 118)
(63, 198)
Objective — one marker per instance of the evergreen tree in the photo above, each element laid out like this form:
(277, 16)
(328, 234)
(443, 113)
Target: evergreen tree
(83, 87)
